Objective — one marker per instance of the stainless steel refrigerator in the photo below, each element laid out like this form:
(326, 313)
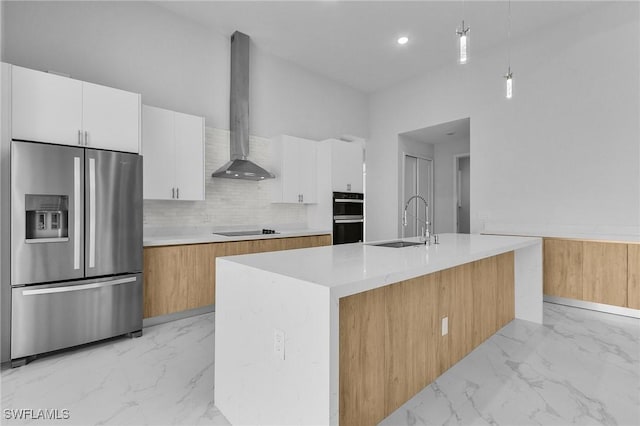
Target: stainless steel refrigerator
(76, 246)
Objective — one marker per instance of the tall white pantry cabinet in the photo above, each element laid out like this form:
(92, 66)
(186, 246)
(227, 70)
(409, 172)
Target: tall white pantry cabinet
(173, 150)
(51, 108)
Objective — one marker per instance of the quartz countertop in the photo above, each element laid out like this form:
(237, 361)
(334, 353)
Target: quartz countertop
(603, 234)
(199, 235)
(353, 268)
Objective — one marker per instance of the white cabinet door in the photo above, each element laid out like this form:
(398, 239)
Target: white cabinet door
(111, 118)
(294, 164)
(346, 166)
(45, 107)
(189, 156)
(158, 152)
(307, 173)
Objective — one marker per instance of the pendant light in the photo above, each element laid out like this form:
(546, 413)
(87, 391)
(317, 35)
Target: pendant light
(509, 75)
(463, 41)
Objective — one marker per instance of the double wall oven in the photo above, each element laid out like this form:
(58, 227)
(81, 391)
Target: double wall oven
(348, 217)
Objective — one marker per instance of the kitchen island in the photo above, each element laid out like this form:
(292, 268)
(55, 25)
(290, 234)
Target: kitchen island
(346, 334)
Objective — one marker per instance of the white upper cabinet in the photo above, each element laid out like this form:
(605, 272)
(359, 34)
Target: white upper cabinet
(294, 164)
(346, 166)
(189, 140)
(173, 150)
(55, 109)
(45, 107)
(110, 118)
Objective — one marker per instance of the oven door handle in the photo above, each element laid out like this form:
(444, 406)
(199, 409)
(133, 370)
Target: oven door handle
(340, 200)
(348, 221)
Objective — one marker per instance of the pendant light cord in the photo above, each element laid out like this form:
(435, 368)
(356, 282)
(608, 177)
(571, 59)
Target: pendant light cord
(509, 36)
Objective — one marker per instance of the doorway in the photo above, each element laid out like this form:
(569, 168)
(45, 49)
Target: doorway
(462, 183)
(418, 180)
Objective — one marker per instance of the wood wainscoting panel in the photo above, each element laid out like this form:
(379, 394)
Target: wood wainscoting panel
(410, 338)
(362, 342)
(604, 273)
(562, 266)
(633, 288)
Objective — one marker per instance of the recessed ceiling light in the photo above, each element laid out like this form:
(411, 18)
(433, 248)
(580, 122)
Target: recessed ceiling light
(403, 40)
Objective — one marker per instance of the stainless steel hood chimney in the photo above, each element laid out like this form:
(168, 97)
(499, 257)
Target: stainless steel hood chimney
(239, 167)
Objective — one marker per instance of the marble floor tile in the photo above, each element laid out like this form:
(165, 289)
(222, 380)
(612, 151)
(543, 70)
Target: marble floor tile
(580, 367)
(164, 377)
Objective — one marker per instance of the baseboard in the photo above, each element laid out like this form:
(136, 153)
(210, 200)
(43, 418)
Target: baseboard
(161, 319)
(600, 307)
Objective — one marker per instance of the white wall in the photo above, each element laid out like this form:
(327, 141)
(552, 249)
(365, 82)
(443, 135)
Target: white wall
(176, 64)
(563, 154)
(445, 192)
(179, 65)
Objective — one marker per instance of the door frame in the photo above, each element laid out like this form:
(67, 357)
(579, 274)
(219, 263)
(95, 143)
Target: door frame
(431, 196)
(456, 190)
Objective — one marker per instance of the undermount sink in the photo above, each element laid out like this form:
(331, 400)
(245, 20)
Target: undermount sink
(397, 244)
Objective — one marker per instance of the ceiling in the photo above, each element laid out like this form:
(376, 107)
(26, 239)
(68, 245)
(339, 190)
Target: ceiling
(354, 42)
(440, 133)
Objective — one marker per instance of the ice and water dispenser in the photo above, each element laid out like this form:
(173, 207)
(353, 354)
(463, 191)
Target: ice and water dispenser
(47, 218)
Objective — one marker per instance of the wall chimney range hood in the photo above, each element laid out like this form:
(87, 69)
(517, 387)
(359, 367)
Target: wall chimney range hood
(239, 167)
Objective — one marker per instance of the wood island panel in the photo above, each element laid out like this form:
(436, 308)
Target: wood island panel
(485, 296)
(411, 317)
(563, 268)
(506, 291)
(461, 314)
(391, 345)
(604, 273)
(633, 290)
(362, 358)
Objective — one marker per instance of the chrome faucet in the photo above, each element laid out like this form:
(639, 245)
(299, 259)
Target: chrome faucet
(426, 232)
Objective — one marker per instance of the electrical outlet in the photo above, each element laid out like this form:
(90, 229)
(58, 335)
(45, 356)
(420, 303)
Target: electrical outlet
(445, 326)
(278, 343)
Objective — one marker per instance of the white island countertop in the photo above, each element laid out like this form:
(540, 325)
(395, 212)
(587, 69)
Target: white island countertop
(353, 268)
(277, 339)
(200, 235)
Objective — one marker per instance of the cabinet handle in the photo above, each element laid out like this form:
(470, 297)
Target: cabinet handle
(173, 193)
(79, 137)
(178, 193)
(86, 137)
(302, 198)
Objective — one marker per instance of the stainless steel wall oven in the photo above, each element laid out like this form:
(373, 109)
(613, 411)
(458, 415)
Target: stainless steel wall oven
(348, 217)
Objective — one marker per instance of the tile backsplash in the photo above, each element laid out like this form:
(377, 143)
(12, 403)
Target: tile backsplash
(229, 202)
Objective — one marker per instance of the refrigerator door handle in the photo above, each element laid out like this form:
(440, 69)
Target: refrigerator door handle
(69, 288)
(92, 212)
(76, 212)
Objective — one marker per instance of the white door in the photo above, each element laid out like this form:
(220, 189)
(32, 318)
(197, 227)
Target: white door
(463, 196)
(45, 107)
(418, 180)
(111, 118)
(290, 170)
(189, 156)
(158, 151)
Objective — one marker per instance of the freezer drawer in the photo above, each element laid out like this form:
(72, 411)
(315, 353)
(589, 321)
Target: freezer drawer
(55, 316)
